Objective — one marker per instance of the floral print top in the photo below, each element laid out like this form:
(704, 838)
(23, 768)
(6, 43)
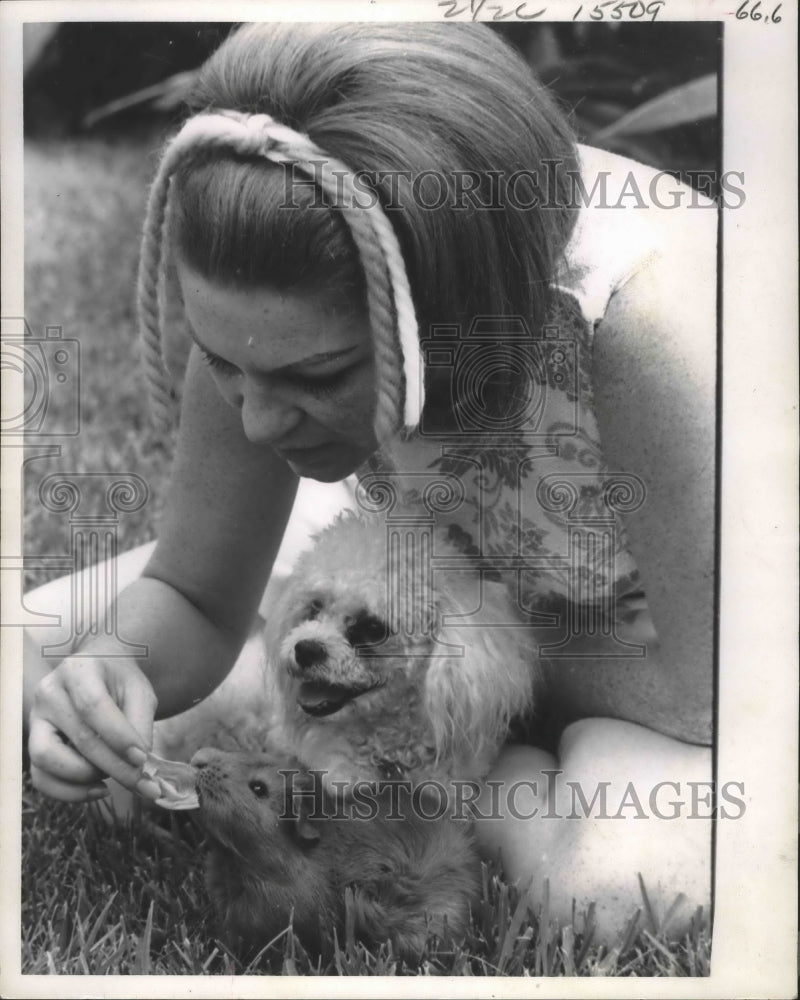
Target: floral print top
(530, 499)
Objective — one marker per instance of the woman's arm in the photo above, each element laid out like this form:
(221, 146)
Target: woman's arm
(227, 509)
(654, 378)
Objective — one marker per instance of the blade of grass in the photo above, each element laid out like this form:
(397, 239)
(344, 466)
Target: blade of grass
(568, 950)
(141, 963)
(648, 908)
(677, 902)
(661, 948)
(589, 928)
(98, 924)
(513, 929)
(630, 931)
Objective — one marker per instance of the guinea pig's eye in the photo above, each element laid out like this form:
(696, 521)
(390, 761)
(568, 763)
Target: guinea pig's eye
(259, 789)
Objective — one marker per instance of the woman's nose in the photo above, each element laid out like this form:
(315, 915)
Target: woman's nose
(267, 416)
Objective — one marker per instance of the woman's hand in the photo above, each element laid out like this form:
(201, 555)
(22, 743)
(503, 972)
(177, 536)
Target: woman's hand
(88, 715)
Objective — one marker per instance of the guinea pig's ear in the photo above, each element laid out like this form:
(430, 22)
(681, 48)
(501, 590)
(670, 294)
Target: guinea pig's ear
(303, 806)
(306, 829)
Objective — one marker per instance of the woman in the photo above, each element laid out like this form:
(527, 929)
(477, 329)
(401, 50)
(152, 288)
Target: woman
(546, 329)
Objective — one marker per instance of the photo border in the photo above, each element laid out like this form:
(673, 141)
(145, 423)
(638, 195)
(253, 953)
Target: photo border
(755, 918)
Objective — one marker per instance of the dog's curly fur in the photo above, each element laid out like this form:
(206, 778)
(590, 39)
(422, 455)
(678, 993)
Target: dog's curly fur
(433, 701)
(361, 695)
(280, 855)
(370, 671)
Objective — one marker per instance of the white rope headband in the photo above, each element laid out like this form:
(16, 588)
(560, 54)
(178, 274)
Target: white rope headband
(388, 292)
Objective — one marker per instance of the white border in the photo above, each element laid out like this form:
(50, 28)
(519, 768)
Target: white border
(755, 933)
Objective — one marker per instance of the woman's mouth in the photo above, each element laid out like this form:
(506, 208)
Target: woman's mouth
(306, 454)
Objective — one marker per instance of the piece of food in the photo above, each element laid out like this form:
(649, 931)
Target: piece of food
(177, 781)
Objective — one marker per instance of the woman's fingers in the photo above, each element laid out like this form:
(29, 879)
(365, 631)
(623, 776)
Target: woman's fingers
(51, 755)
(96, 697)
(65, 790)
(139, 704)
(89, 701)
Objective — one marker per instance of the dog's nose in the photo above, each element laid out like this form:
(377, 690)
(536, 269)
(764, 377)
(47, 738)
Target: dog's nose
(307, 652)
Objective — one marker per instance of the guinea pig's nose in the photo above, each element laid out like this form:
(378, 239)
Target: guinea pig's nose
(203, 757)
(307, 652)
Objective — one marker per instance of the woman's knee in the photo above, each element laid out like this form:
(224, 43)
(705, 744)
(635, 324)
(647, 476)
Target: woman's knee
(58, 598)
(44, 646)
(619, 802)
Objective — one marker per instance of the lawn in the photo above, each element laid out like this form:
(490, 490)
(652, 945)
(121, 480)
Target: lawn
(130, 898)
(84, 205)
(132, 902)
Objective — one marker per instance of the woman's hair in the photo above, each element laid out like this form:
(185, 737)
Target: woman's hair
(445, 124)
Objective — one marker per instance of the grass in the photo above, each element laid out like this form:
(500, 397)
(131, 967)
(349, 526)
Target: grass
(84, 205)
(131, 900)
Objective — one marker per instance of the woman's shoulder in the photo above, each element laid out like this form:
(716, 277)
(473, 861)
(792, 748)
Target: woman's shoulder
(615, 183)
(631, 217)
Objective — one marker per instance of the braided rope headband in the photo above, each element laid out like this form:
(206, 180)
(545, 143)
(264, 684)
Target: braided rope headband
(396, 349)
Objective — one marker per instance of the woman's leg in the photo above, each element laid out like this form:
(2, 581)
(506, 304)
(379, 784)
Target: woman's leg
(620, 800)
(56, 598)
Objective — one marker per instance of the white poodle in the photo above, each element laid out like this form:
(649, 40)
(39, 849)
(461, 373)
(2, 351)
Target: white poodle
(378, 664)
(391, 663)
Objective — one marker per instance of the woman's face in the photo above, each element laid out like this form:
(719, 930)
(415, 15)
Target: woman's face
(297, 365)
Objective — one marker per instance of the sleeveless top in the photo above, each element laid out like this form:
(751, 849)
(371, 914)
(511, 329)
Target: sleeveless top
(530, 500)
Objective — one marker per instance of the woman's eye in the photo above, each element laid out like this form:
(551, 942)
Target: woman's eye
(259, 789)
(322, 386)
(219, 364)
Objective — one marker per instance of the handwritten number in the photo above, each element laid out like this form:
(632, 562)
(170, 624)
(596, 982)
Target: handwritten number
(614, 10)
(746, 12)
(528, 17)
(499, 12)
(633, 9)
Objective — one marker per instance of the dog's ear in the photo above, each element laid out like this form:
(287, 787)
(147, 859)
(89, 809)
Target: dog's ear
(470, 699)
(282, 603)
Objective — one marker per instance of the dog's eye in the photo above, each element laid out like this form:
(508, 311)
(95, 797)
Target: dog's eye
(259, 789)
(314, 608)
(366, 630)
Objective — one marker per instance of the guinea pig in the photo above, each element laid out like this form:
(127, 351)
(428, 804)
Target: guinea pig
(283, 852)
